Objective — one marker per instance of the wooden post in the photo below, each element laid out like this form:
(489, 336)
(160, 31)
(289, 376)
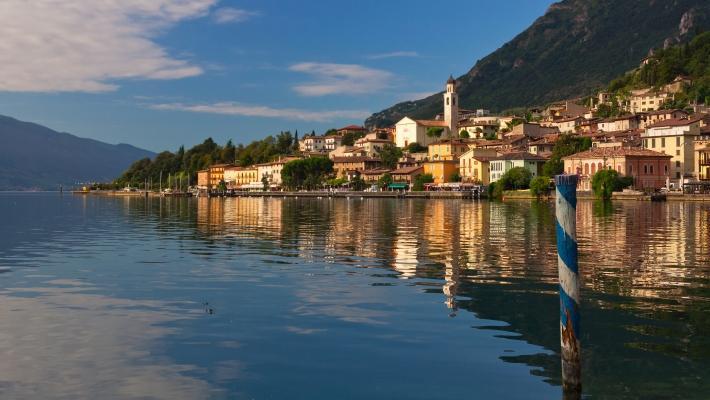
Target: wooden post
(568, 272)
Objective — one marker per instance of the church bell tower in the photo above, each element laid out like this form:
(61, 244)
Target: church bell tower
(451, 106)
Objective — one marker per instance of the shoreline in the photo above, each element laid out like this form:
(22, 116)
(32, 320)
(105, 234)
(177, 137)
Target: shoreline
(522, 195)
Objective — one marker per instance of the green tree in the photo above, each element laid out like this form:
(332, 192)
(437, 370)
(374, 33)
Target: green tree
(566, 145)
(463, 134)
(384, 181)
(265, 183)
(308, 173)
(540, 186)
(607, 181)
(415, 147)
(420, 180)
(357, 183)
(222, 186)
(350, 138)
(455, 177)
(434, 131)
(390, 155)
(331, 132)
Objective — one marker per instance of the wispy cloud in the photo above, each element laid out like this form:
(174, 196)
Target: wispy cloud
(86, 46)
(226, 15)
(231, 108)
(393, 55)
(340, 79)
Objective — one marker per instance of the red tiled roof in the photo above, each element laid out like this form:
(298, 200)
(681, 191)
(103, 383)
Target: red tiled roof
(406, 170)
(376, 171)
(353, 128)
(355, 159)
(601, 152)
(430, 122)
(519, 155)
(675, 122)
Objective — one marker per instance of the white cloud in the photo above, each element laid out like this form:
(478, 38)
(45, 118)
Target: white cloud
(340, 79)
(393, 55)
(227, 15)
(231, 108)
(85, 46)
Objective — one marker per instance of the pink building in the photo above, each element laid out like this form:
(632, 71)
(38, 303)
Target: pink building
(650, 169)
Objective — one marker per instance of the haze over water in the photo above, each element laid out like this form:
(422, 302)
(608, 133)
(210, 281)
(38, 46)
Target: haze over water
(245, 298)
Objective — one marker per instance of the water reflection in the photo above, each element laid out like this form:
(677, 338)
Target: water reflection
(359, 288)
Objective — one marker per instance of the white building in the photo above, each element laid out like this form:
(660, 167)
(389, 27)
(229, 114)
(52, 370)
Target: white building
(675, 137)
(409, 130)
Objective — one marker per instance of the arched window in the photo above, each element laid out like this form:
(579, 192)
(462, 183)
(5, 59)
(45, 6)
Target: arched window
(600, 167)
(618, 168)
(594, 168)
(586, 168)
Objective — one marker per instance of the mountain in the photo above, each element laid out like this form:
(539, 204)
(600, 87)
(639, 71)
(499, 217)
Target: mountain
(576, 47)
(35, 157)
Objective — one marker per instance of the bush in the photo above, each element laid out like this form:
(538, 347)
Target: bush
(540, 186)
(384, 181)
(607, 181)
(307, 173)
(420, 180)
(517, 178)
(455, 177)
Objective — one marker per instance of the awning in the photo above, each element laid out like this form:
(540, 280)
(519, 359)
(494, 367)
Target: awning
(397, 185)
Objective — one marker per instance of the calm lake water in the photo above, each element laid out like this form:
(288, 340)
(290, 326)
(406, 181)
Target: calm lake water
(132, 298)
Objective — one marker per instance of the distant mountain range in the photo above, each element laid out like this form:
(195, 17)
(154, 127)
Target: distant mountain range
(34, 157)
(576, 47)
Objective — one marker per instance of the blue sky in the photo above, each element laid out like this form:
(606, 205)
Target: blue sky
(161, 73)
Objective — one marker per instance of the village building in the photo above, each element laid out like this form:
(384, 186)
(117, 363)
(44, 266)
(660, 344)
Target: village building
(372, 145)
(407, 174)
(622, 123)
(349, 166)
(649, 169)
(235, 177)
(442, 170)
(408, 130)
(474, 165)
(628, 138)
(312, 144)
(564, 109)
(702, 159)
(589, 125)
(272, 170)
(203, 179)
(565, 125)
(332, 142)
(543, 146)
(447, 149)
(531, 129)
(216, 174)
(372, 176)
(653, 117)
(647, 100)
(675, 137)
(505, 162)
(353, 129)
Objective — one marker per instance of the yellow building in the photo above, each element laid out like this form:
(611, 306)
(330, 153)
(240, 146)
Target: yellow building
(448, 149)
(675, 137)
(441, 170)
(238, 176)
(474, 166)
(216, 174)
(702, 159)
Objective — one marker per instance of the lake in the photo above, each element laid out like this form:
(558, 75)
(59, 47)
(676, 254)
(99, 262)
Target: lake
(270, 298)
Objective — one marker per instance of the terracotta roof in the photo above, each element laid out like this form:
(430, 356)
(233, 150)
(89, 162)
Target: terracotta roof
(355, 159)
(406, 170)
(675, 122)
(453, 141)
(601, 152)
(519, 155)
(431, 122)
(376, 171)
(352, 128)
(661, 112)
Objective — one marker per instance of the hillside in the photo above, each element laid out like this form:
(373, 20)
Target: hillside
(577, 46)
(36, 157)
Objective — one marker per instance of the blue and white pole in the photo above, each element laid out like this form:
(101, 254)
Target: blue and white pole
(568, 271)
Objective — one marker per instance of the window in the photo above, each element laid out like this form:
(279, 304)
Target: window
(653, 143)
(677, 141)
(663, 142)
(447, 101)
(677, 164)
(631, 169)
(677, 175)
(600, 167)
(593, 168)
(645, 169)
(650, 168)
(665, 169)
(586, 169)
(677, 152)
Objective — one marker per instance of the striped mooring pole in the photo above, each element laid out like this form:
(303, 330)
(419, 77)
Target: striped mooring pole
(568, 272)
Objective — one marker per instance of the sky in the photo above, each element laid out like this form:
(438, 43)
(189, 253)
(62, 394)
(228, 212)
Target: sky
(158, 74)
